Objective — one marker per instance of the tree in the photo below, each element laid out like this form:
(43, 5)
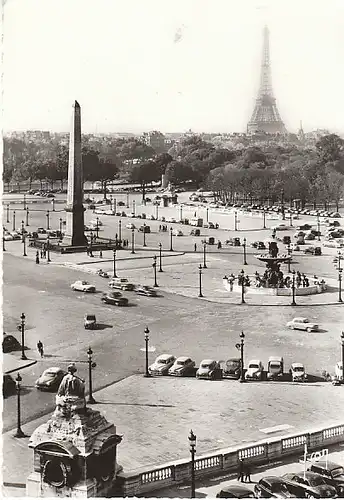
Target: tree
(179, 172)
(145, 172)
(330, 148)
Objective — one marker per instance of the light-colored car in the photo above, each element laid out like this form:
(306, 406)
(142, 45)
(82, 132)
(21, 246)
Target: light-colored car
(161, 365)
(338, 371)
(50, 379)
(146, 290)
(90, 321)
(94, 222)
(332, 244)
(207, 369)
(297, 372)
(121, 284)
(254, 370)
(302, 324)
(8, 237)
(83, 286)
(130, 226)
(177, 232)
(280, 227)
(182, 366)
(170, 219)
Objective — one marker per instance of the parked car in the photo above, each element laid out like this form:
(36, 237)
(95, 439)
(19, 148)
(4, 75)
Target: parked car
(333, 224)
(90, 322)
(195, 232)
(148, 291)
(277, 487)
(161, 365)
(332, 473)
(235, 491)
(297, 372)
(255, 370)
(313, 250)
(96, 222)
(234, 242)
(313, 484)
(10, 343)
(280, 227)
(144, 229)
(114, 298)
(8, 385)
(208, 369)
(182, 366)
(275, 368)
(121, 203)
(83, 286)
(177, 232)
(338, 371)
(304, 227)
(302, 324)
(50, 379)
(260, 245)
(232, 368)
(309, 237)
(121, 284)
(130, 226)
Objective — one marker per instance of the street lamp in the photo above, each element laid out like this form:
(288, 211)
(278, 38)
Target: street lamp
(27, 217)
(264, 214)
(291, 219)
(204, 255)
(134, 208)
(97, 227)
(114, 263)
(242, 337)
(293, 303)
(154, 268)
(24, 201)
(48, 248)
(340, 269)
(60, 225)
(19, 433)
(132, 241)
(200, 280)
(244, 250)
(8, 213)
(14, 220)
(3, 240)
(242, 274)
(147, 374)
(144, 234)
(22, 328)
(24, 245)
(160, 258)
(128, 199)
(22, 231)
(115, 205)
(192, 442)
(318, 223)
(282, 204)
(235, 220)
(289, 254)
(207, 214)
(120, 231)
(91, 365)
(53, 204)
(171, 239)
(156, 211)
(181, 212)
(47, 216)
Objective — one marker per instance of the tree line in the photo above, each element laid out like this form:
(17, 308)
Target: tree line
(253, 173)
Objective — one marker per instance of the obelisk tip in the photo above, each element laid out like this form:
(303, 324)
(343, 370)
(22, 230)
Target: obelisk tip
(76, 104)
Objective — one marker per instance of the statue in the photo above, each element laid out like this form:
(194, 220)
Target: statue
(70, 396)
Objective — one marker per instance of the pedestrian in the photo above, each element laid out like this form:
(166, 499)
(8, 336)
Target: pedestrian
(247, 473)
(37, 257)
(41, 253)
(195, 247)
(241, 470)
(219, 245)
(160, 228)
(40, 348)
(44, 253)
(88, 250)
(195, 214)
(100, 254)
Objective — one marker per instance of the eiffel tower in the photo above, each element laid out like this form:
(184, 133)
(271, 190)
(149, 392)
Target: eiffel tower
(265, 116)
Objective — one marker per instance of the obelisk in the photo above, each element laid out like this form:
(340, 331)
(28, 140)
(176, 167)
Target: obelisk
(75, 235)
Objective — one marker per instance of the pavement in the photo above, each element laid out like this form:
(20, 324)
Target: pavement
(144, 408)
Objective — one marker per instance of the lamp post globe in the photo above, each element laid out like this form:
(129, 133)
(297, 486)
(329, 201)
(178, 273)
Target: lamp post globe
(146, 332)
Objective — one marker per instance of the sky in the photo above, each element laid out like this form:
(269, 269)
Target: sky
(170, 65)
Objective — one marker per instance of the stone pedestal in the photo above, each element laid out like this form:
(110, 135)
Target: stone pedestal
(74, 456)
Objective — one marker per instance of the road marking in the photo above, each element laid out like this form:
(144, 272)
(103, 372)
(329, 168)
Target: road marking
(277, 428)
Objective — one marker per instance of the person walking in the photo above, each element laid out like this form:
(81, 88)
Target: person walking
(195, 247)
(241, 470)
(247, 477)
(37, 257)
(100, 254)
(40, 348)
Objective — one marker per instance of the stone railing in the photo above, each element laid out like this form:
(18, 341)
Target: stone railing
(225, 461)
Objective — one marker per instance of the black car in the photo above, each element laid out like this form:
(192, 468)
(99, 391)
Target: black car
(146, 290)
(8, 385)
(314, 485)
(332, 473)
(235, 491)
(114, 298)
(144, 229)
(10, 343)
(232, 368)
(277, 487)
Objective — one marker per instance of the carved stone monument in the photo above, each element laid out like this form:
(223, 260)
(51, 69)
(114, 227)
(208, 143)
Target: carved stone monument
(74, 234)
(75, 450)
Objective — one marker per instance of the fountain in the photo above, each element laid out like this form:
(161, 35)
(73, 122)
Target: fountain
(273, 276)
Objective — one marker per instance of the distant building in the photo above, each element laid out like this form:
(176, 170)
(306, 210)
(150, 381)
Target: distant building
(156, 140)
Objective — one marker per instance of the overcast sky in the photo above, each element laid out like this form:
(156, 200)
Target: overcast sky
(170, 65)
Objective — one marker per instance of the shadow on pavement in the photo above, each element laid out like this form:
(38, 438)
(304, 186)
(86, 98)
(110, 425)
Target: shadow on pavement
(102, 326)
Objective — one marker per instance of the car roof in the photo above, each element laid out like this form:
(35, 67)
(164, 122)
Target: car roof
(182, 358)
(164, 356)
(235, 488)
(254, 361)
(299, 318)
(207, 361)
(295, 365)
(308, 474)
(273, 479)
(53, 369)
(275, 358)
(327, 464)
